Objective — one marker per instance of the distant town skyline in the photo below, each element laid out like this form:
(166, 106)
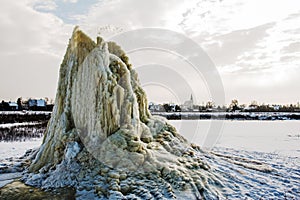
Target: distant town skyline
(254, 44)
(188, 103)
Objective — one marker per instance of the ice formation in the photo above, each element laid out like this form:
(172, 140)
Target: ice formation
(102, 140)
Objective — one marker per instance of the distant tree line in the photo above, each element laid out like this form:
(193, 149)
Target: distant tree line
(234, 106)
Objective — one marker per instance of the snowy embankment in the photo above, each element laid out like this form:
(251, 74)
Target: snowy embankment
(21, 126)
(22, 131)
(229, 116)
(7, 117)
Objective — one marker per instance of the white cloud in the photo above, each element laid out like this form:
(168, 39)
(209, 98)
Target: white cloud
(70, 1)
(28, 30)
(231, 15)
(234, 44)
(46, 5)
(32, 45)
(278, 51)
(131, 14)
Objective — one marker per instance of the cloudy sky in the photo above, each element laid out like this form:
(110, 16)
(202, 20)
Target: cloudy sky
(255, 44)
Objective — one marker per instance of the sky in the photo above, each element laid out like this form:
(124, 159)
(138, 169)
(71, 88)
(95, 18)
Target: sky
(255, 45)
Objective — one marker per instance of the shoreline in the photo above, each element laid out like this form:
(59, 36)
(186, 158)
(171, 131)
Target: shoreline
(241, 116)
(11, 117)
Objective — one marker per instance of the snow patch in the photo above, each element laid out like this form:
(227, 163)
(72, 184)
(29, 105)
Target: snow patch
(72, 150)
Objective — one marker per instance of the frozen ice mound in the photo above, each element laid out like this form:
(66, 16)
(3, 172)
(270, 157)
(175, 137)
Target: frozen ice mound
(102, 140)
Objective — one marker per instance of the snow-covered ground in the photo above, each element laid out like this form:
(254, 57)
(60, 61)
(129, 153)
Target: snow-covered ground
(256, 159)
(257, 175)
(8, 125)
(25, 112)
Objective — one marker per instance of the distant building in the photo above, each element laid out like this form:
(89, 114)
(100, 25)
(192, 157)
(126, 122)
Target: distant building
(250, 108)
(276, 107)
(37, 104)
(155, 107)
(188, 105)
(13, 105)
(168, 107)
(172, 107)
(8, 106)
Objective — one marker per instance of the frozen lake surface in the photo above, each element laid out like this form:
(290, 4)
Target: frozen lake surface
(281, 137)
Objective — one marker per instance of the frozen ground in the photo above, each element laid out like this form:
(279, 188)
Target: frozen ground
(17, 149)
(257, 160)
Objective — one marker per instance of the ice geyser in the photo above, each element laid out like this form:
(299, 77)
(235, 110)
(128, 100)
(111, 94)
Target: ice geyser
(102, 140)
